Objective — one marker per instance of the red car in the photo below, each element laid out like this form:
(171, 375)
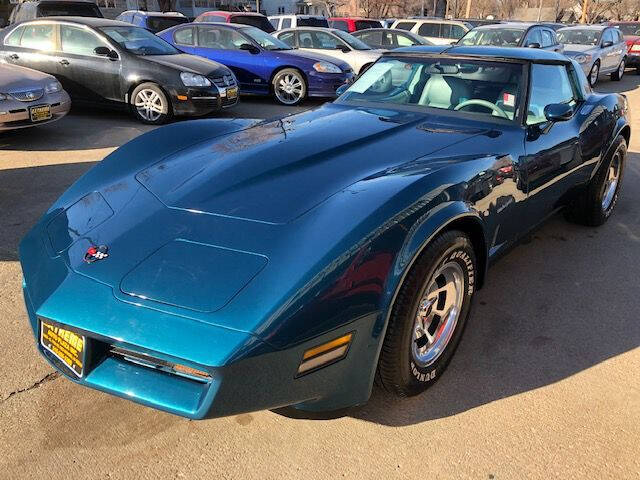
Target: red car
(631, 32)
(245, 18)
(352, 24)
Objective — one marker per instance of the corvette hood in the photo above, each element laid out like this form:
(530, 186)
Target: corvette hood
(278, 170)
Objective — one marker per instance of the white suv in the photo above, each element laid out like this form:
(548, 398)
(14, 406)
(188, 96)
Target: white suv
(280, 22)
(436, 30)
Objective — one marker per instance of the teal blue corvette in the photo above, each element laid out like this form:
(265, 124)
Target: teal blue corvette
(215, 267)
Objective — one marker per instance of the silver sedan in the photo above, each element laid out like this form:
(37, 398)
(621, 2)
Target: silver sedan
(29, 98)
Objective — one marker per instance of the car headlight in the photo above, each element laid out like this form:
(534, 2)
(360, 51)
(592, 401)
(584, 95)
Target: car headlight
(53, 87)
(583, 58)
(194, 80)
(326, 67)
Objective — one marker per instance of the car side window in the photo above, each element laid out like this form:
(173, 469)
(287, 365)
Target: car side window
(607, 36)
(457, 32)
(403, 41)
(371, 37)
(13, 39)
(533, 37)
(220, 38)
(79, 41)
(38, 36)
(184, 36)
(429, 30)
(405, 25)
(340, 25)
(286, 23)
(319, 40)
(547, 38)
(550, 84)
(289, 38)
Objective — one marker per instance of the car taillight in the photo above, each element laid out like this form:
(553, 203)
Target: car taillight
(635, 47)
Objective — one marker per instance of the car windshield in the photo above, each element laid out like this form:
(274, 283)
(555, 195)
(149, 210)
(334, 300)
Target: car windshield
(313, 22)
(352, 41)
(579, 36)
(487, 89)
(258, 21)
(628, 28)
(499, 37)
(157, 24)
(266, 41)
(139, 41)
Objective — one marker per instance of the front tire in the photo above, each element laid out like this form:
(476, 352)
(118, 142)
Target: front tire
(618, 74)
(429, 315)
(289, 87)
(596, 204)
(593, 74)
(150, 105)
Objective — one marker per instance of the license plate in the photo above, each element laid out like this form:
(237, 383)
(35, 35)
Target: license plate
(40, 113)
(232, 93)
(66, 346)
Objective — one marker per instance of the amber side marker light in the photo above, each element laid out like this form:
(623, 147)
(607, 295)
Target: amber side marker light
(182, 97)
(325, 354)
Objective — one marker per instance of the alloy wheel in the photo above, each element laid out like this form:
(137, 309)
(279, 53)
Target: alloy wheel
(289, 88)
(437, 313)
(611, 181)
(149, 104)
(593, 76)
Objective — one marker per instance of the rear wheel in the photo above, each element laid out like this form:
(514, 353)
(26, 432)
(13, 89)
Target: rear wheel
(429, 315)
(593, 74)
(289, 86)
(150, 104)
(617, 75)
(596, 204)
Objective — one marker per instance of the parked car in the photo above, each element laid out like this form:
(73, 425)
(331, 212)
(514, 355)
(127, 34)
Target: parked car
(243, 18)
(353, 24)
(111, 63)
(631, 33)
(262, 64)
(478, 22)
(152, 21)
(437, 30)
(388, 39)
(29, 98)
(333, 43)
(218, 267)
(31, 10)
(292, 21)
(599, 49)
(515, 34)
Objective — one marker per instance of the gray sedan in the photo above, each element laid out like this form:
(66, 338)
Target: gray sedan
(598, 49)
(29, 98)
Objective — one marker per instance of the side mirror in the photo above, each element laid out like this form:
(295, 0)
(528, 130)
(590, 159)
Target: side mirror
(250, 48)
(343, 48)
(558, 112)
(342, 88)
(533, 45)
(106, 52)
(606, 44)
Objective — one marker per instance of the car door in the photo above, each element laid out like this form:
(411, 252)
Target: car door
(33, 45)
(87, 76)
(609, 52)
(619, 46)
(554, 161)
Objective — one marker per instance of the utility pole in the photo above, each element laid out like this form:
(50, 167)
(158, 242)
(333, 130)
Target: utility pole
(422, 9)
(539, 10)
(585, 6)
(468, 9)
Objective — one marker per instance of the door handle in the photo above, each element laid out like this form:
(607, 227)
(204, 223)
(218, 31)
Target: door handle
(13, 56)
(64, 63)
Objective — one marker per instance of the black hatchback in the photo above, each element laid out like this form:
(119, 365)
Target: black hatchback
(113, 63)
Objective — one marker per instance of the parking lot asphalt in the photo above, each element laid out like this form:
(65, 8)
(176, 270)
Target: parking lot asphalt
(545, 383)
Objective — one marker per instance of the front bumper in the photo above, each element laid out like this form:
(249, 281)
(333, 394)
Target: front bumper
(195, 101)
(326, 84)
(15, 114)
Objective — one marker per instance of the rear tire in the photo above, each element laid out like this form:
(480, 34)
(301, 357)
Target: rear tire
(618, 74)
(428, 316)
(596, 204)
(150, 105)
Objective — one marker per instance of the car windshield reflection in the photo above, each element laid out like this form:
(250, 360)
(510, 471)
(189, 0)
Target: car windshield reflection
(139, 41)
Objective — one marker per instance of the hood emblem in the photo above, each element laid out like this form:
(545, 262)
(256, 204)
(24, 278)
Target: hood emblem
(96, 253)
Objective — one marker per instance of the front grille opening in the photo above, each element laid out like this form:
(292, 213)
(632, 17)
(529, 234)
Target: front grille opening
(159, 364)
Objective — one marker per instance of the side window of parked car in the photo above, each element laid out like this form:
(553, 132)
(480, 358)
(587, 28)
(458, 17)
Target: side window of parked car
(319, 40)
(38, 37)
(13, 39)
(549, 84)
(607, 36)
(618, 35)
(184, 36)
(429, 30)
(340, 25)
(371, 37)
(289, 38)
(533, 37)
(220, 38)
(400, 40)
(286, 23)
(457, 32)
(79, 41)
(548, 39)
(405, 25)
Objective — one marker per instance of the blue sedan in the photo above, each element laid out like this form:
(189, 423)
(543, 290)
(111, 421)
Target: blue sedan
(262, 64)
(217, 267)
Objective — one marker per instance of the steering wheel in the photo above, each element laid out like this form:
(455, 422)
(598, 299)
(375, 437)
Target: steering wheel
(483, 103)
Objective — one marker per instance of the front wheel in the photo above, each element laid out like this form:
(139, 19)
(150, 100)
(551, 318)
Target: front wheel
(429, 315)
(593, 74)
(617, 75)
(150, 105)
(289, 87)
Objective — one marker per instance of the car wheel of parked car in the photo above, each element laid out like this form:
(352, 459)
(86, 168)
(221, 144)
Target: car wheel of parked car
(428, 316)
(593, 74)
(596, 204)
(617, 75)
(150, 104)
(289, 86)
